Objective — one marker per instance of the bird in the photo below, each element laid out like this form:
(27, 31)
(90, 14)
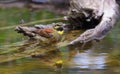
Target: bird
(52, 33)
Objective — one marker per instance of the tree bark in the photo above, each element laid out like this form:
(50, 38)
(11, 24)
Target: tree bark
(96, 16)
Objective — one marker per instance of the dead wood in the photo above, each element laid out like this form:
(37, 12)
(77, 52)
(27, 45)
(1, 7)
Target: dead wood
(98, 17)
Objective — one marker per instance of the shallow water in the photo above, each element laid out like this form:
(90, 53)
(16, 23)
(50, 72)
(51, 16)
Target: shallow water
(75, 60)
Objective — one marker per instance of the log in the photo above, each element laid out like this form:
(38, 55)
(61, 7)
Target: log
(97, 17)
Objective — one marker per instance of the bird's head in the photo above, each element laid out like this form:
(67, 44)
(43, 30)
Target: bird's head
(59, 28)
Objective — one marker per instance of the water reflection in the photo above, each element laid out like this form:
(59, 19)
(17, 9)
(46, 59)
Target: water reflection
(76, 59)
(88, 61)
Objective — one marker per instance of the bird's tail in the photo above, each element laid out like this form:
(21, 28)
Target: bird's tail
(26, 31)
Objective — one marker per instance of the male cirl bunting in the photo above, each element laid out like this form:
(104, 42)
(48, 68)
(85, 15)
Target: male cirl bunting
(52, 33)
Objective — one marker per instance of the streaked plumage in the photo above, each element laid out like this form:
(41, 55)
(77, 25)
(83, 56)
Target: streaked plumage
(52, 33)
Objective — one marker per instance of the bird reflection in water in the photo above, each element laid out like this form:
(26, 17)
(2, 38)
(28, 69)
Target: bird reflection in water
(86, 58)
(52, 58)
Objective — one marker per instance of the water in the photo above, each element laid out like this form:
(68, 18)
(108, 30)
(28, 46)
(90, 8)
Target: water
(89, 61)
(76, 60)
(97, 58)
